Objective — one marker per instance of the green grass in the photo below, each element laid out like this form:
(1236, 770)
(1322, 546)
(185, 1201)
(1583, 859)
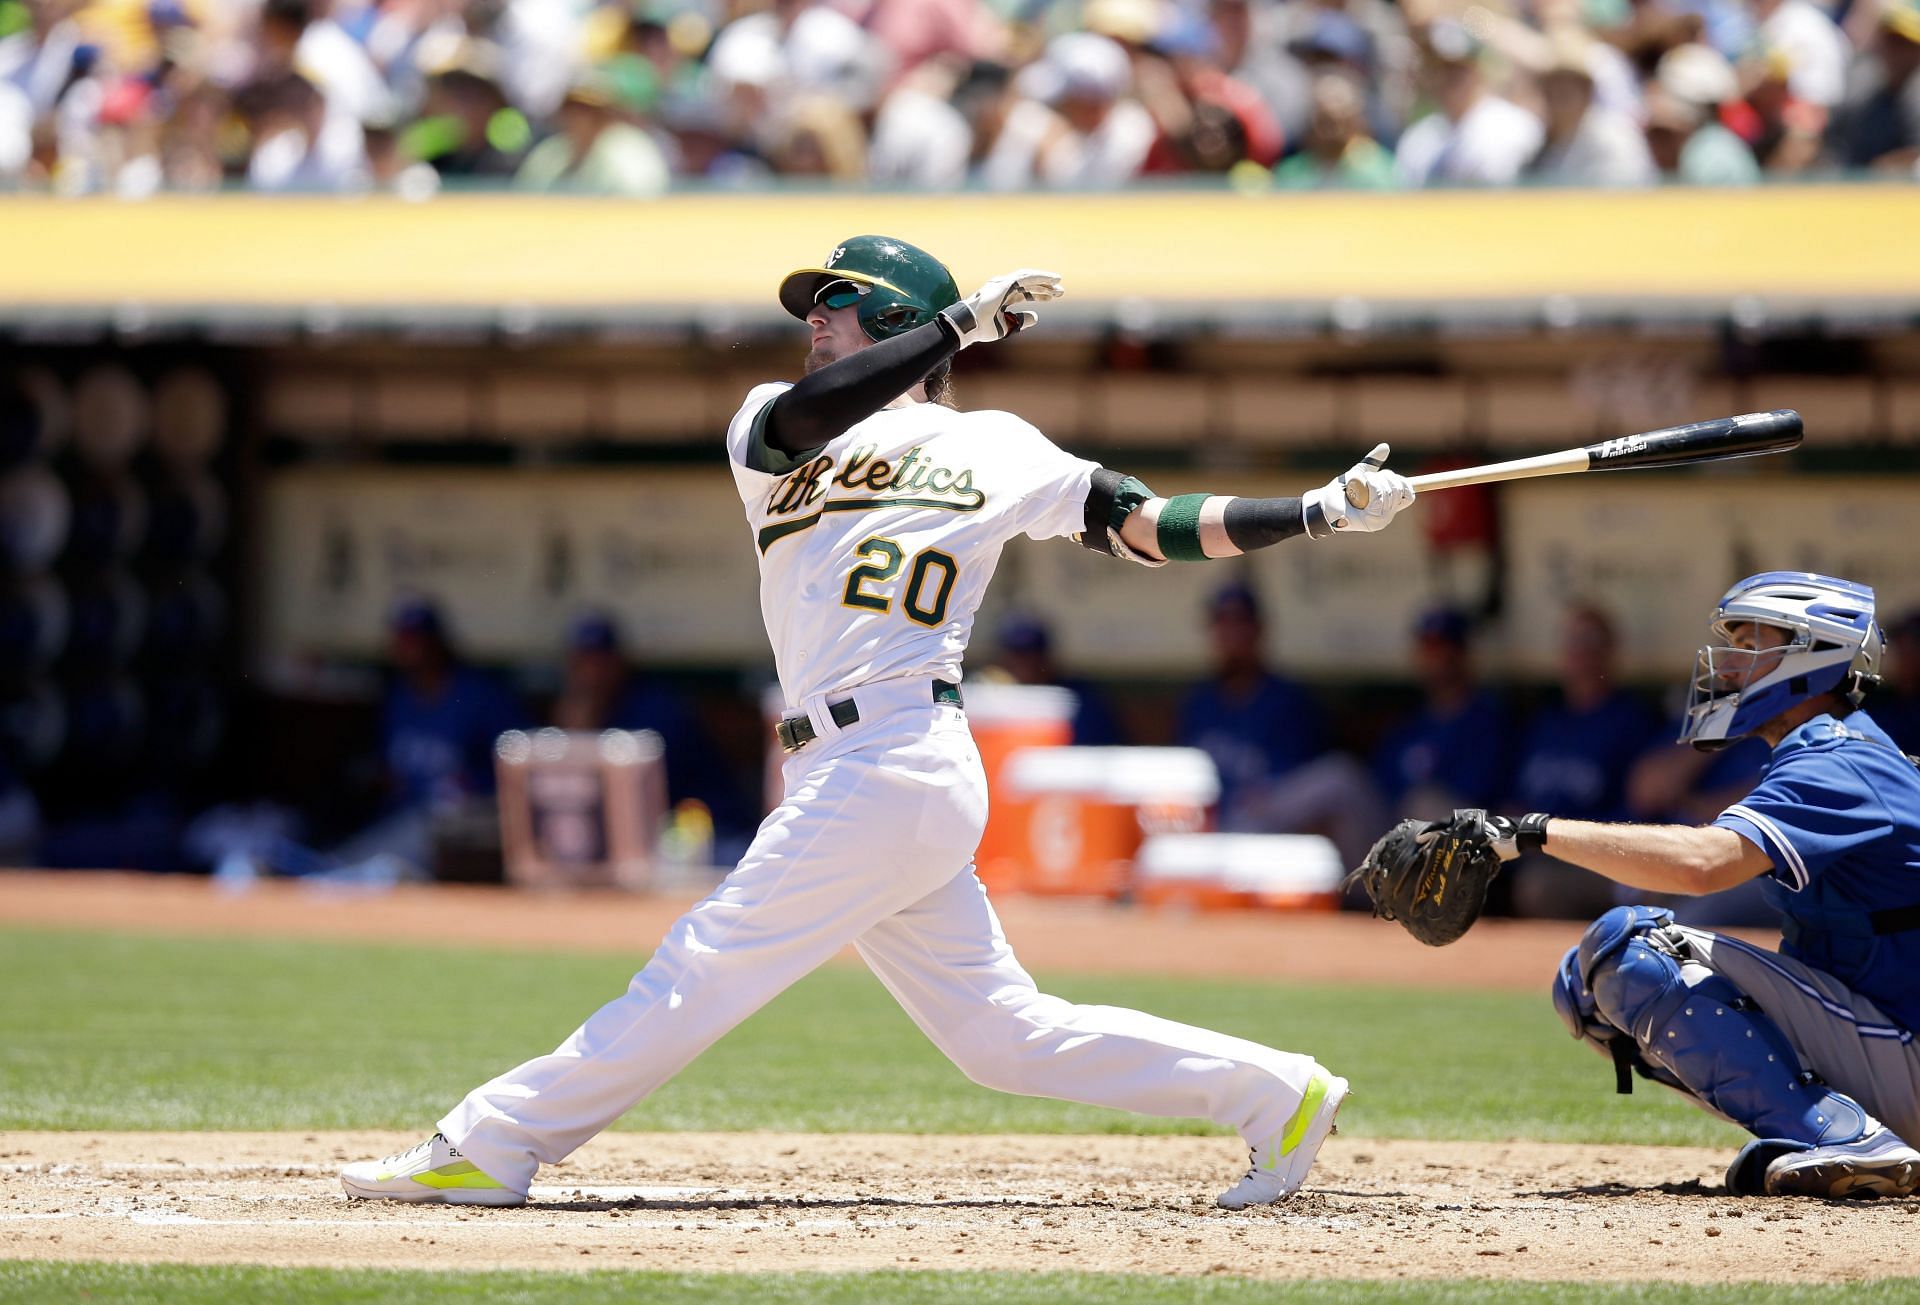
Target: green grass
(124, 1284)
(105, 1031)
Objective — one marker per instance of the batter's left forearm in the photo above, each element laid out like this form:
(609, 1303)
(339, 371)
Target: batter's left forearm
(1660, 858)
(1196, 527)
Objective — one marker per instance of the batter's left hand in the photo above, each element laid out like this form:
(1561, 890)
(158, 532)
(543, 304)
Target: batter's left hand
(992, 313)
(1364, 499)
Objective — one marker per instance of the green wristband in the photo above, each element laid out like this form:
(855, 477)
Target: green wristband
(1178, 533)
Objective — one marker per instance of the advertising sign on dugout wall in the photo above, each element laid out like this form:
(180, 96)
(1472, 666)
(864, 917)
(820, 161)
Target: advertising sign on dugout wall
(514, 555)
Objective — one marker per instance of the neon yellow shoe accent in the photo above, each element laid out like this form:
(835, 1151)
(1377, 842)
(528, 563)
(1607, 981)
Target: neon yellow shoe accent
(1296, 1129)
(463, 1174)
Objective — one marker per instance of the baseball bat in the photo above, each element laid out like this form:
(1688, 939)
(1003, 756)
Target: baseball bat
(1748, 435)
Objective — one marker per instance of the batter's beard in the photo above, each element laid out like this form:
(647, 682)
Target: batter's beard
(819, 356)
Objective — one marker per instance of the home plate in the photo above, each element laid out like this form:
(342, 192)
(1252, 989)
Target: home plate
(602, 1192)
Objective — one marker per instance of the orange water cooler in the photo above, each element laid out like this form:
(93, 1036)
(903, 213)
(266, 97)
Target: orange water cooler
(1006, 720)
(1090, 809)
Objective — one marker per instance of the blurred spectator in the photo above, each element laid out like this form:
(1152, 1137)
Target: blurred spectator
(913, 31)
(1267, 738)
(1574, 760)
(300, 37)
(1897, 705)
(1026, 655)
(1877, 123)
(922, 136)
(1783, 131)
(1453, 752)
(1813, 47)
(1255, 724)
(1366, 38)
(440, 717)
(297, 144)
(467, 129)
(1684, 134)
(822, 139)
(1251, 45)
(438, 724)
(1474, 137)
(1076, 124)
(595, 152)
(1586, 143)
(1337, 152)
(1209, 121)
(603, 690)
(764, 63)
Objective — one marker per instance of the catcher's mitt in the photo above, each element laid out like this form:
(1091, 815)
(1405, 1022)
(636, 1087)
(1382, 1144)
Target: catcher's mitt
(1432, 875)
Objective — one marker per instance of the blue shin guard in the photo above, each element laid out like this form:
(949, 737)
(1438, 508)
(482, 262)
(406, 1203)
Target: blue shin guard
(1695, 1031)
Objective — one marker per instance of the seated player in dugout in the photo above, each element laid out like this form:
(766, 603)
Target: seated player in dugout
(878, 512)
(1811, 1049)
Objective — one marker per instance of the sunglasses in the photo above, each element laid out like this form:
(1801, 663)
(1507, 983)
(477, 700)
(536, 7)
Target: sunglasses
(840, 294)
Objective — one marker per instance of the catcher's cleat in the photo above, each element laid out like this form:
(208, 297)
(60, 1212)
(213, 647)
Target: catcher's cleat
(1280, 1167)
(433, 1171)
(1879, 1164)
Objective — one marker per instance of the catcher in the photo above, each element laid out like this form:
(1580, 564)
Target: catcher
(1810, 1048)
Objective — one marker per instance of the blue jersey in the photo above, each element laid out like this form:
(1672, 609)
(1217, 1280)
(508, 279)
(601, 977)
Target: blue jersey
(442, 747)
(1575, 763)
(1259, 737)
(1838, 811)
(1464, 753)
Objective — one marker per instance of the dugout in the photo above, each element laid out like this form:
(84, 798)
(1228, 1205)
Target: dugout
(515, 403)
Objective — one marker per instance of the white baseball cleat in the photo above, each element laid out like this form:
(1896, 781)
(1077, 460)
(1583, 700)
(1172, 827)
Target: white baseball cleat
(433, 1171)
(1280, 1167)
(1879, 1164)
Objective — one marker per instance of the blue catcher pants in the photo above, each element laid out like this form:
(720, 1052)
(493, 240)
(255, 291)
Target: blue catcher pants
(1630, 988)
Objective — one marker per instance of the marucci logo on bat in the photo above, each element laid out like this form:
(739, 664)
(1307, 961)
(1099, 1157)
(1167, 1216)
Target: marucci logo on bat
(1619, 448)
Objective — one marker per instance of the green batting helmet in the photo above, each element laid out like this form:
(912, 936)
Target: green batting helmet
(898, 285)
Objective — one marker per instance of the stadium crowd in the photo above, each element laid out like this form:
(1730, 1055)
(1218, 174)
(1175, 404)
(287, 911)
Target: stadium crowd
(133, 97)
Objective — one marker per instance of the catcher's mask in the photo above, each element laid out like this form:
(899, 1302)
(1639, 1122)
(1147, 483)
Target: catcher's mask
(897, 286)
(1832, 646)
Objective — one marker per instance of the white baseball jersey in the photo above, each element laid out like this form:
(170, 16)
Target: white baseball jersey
(876, 552)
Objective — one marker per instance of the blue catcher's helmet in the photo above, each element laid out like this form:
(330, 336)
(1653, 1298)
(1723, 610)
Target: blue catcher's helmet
(1833, 646)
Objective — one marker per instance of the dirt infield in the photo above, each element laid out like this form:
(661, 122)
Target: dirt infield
(778, 1202)
(757, 1201)
(1056, 935)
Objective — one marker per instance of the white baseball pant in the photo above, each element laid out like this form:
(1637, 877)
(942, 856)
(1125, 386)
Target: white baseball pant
(871, 845)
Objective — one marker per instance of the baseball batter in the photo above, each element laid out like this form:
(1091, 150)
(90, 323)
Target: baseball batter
(878, 512)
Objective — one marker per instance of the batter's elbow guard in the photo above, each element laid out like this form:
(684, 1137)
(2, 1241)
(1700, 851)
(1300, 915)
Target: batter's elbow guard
(1111, 499)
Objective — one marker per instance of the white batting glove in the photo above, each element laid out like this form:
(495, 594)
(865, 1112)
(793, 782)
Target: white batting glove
(992, 313)
(1365, 498)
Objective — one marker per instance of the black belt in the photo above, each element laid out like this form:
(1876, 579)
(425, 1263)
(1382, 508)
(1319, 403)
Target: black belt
(795, 732)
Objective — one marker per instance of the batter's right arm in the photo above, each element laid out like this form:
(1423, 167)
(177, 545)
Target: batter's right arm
(1196, 527)
(830, 401)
